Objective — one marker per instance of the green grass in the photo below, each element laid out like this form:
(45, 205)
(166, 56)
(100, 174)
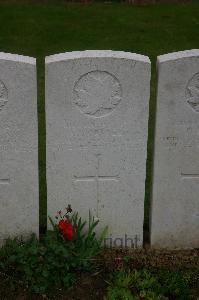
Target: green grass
(42, 29)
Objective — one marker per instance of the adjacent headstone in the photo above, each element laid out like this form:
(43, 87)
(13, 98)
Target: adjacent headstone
(97, 117)
(19, 209)
(175, 202)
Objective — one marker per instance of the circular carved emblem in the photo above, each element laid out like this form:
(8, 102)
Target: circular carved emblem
(97, 93)
(3, 95)
(192, 92)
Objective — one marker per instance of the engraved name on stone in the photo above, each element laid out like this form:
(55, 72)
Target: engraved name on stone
(94, 136)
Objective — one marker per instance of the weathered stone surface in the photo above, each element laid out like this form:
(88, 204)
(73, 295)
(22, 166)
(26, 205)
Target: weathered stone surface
(175, 203)
(19, 199)
(97, 115)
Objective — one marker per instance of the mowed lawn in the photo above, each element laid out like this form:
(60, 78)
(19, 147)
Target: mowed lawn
(38, 30)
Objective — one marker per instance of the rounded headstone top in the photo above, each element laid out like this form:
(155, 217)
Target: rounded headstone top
(17, 58)
(96, 54)
(178, 55)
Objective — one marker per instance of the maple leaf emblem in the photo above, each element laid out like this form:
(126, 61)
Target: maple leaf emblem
(192, 92)
(97, 93)
(3, 95)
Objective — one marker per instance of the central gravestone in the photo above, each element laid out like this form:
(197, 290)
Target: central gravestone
(97, 117)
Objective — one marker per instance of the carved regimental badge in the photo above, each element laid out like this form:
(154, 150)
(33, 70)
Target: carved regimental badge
(3, 95)
(97, 93)
(192, 92)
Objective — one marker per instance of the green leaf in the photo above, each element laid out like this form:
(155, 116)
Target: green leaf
(103, 234)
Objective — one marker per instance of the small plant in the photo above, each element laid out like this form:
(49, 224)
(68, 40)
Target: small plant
(54, 261)
(134, 285)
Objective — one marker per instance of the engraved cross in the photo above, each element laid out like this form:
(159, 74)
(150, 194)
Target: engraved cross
(97, 178)
(189, 175)
(4, 181)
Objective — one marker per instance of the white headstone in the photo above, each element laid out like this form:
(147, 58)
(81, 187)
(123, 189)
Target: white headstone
(97, 117)
(19, 204)
(175, 203)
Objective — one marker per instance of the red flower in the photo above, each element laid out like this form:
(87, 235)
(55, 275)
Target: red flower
(66, 229)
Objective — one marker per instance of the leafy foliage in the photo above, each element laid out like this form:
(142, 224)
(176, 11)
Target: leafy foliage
(134, 285)
(174, 285)
(52, 262)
